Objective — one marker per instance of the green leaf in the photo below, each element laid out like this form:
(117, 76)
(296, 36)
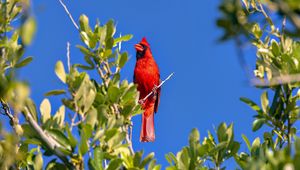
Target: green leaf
(275, 48)
(28, 131)
(252, 104)
(123, 59)
(246, 141)
(114, 164)
(38, 161)
(91, 117)
(92, 165)
(85, 51)
(221, 132)
(59, 116)
(183, 158)
(83, 146)
(171, 158)
(264, 101)
(24, 62)
(85, 38)
(110, 30)
(123, 38)
(84, 67)
(113, 93)
(234, 148)
(147, 159)
(53, 165)
(45, 109)
(73, 141)
(60, 71)
(194, 136)
(257, 124)
(55, 92)
(89, 61)
(256, 142)
(32, 108)
(137, 158)
(152, 165)
(220, 146)
(84, 23)
(28, 30)
(98, 157)
(257, 32)
(60, 137)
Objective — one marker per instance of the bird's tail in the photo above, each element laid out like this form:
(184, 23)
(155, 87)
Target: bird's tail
(148, 132)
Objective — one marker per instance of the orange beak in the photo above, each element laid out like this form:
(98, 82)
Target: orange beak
(138, 47)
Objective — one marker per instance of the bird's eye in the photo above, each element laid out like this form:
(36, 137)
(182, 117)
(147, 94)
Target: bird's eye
(144, 47)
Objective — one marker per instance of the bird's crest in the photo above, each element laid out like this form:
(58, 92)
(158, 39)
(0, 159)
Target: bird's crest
(145, 42)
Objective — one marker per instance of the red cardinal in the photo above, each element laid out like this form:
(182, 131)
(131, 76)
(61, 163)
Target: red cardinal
(147, 78)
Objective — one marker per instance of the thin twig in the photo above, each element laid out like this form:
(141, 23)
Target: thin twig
(129, 142)
(105, 164)
(120, 43)
(68, 56)
(73, 121)
(284, 8)
(69, 14)
(130, 130)
(156, 87)
(80, 121)
(100, 72)
(7, 111)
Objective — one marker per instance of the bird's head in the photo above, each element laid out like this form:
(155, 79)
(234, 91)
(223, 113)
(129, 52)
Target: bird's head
(142, 48)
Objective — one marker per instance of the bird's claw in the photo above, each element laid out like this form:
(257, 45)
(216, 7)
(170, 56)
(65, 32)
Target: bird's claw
(141, 101)
(154, 90)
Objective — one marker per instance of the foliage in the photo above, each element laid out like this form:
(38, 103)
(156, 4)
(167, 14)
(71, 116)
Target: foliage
(97, 133)
(276, 72)
(197, 154)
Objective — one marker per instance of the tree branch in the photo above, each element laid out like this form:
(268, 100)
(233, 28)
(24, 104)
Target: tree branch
(125, 129)
(69, 14)
(7, 111)
(282, 79)
(46, 138)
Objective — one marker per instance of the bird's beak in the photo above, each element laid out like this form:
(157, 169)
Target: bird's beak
(138, 47)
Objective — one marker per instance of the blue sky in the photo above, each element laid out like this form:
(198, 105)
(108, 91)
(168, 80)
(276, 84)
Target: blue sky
(208, 80)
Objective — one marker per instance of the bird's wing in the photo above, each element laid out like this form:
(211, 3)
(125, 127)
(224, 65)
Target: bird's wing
(157, 99)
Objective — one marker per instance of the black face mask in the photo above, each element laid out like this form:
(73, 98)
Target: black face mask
(140, 54)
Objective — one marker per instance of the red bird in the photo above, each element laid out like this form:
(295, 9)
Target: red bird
(147, 78)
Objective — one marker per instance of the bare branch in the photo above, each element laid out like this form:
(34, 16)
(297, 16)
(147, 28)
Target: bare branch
(14, 121)
(156, 87)
(100, 72)
(68, 56)
(7, 111)
(130, 131)
(129, 142)
(46, 138)
(69, 14)
(282, 79)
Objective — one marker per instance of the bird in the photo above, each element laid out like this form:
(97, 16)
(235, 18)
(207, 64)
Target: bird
(147, 78)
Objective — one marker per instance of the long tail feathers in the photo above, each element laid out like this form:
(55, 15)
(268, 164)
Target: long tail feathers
(148, 132)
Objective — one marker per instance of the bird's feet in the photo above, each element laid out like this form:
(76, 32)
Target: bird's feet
(141, 102)
(154, 90)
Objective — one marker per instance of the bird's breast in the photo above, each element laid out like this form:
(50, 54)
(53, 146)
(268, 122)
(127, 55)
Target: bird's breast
(146, 75)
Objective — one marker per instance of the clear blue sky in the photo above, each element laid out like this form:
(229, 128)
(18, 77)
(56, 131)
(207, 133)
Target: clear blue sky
(208, 80)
